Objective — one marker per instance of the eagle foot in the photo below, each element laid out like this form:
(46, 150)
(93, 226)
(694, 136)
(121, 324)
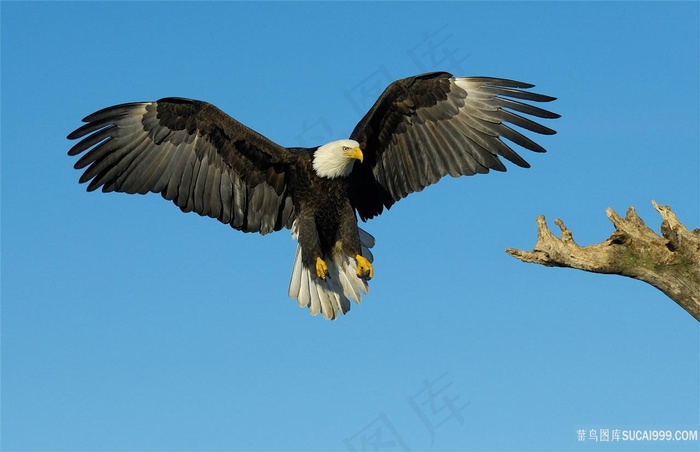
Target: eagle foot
(321, 268)
(364, 268)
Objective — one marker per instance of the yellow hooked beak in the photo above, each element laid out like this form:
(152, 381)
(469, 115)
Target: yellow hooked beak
(354, 153)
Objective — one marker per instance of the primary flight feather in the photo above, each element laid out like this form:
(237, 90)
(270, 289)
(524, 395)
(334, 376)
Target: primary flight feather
(420, 129)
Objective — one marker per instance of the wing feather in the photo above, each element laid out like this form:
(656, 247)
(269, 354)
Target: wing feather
(211, 192)
(192, 154)
(425, 127)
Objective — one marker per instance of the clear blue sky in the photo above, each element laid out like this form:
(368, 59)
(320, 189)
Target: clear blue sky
(127, 325)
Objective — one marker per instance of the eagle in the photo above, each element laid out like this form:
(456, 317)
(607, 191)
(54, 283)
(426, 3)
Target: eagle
(420, 129)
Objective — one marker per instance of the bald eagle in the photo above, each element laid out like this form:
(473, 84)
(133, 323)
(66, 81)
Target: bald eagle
(420, 129)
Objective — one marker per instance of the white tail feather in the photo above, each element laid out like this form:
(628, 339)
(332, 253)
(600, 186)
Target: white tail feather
(332, 295)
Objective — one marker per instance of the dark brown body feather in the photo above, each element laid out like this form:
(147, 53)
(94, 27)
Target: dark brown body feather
(325, 216)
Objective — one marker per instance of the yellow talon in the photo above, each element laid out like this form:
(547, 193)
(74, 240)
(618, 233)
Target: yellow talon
(364, 268)
(321, 268)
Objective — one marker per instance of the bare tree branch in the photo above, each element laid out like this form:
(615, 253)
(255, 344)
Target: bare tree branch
(670, 262)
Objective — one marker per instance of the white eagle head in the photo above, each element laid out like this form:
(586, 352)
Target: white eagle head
(336, 158)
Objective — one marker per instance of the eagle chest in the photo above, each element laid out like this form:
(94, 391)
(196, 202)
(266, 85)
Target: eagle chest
(327, 201)
(332, 196)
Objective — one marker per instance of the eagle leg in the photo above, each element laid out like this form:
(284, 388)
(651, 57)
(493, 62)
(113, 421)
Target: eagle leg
(364, 268)
(321, 268)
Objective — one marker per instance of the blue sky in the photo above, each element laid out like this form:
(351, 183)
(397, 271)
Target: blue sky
(127, 325)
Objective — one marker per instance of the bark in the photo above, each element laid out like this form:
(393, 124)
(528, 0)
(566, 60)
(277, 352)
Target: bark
(670, 262)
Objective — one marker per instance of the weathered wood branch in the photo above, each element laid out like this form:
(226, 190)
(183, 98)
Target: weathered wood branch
(670, 262)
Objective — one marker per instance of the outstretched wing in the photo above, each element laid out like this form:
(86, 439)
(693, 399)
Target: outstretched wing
(193, 154)
(425, 127)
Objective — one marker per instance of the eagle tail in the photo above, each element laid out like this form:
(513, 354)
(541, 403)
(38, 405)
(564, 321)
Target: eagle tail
(332, 295)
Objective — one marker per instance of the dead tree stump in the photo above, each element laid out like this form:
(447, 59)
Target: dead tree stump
(670, 262)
